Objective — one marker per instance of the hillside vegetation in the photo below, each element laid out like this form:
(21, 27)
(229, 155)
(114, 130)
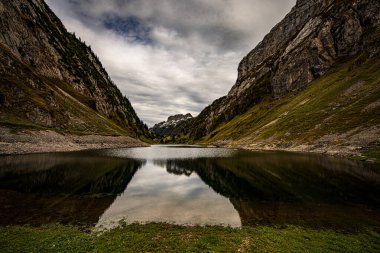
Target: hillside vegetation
(312, 84)
(50, 79)
(338, 110)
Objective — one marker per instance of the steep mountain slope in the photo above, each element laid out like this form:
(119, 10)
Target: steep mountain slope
(310, 40)
(175, 125)
(50, 79)
(338, 112)
(335, 42)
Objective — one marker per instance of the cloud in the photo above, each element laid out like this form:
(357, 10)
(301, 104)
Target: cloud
(171, 56)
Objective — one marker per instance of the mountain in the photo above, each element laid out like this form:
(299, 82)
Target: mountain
(313, 82)
(50, 79)
(175, 125)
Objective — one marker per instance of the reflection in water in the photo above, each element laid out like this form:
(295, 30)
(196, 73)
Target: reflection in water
(67, 188)
(274, 189)
(165, 152)
(188, 185)
(157, 196)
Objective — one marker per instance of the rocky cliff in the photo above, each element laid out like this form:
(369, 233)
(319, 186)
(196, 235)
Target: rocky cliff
(313, 38)
(50, 79)
(175, 125)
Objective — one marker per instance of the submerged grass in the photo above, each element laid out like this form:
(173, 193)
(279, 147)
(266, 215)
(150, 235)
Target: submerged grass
(372, 155)
(172, 238)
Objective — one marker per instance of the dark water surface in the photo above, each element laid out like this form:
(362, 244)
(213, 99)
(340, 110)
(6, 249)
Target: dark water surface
(188, 185)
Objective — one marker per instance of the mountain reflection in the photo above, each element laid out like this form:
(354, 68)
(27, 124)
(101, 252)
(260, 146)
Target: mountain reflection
(211, 186)
(290, 189)
(64, 188)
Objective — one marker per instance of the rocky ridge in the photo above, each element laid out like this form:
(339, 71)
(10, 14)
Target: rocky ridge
(175, 125)
(306, 44)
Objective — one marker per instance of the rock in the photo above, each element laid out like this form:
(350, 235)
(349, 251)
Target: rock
(50, 78)
(175, 125)
(306, 44)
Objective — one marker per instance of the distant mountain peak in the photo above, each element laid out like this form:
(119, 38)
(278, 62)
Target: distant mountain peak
(175, 125)
(179, 117)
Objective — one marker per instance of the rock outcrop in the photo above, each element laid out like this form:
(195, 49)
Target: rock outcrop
(50, 79)
(175, 125)
(305, 45)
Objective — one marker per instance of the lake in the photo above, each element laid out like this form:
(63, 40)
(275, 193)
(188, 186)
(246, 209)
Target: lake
(188, 185)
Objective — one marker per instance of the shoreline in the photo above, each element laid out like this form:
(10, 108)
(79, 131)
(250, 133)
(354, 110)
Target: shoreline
(47, 141)
(308, 149)
(356, 143)
(361, 153)
(312, 149)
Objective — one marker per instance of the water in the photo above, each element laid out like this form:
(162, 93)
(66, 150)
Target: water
(189, 185)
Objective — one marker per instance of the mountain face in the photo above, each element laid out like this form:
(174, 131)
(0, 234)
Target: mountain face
(50, 79)
(175, 125)
(312, 39)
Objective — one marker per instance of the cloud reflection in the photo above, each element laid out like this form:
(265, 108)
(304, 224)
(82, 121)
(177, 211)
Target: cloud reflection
(170, 198)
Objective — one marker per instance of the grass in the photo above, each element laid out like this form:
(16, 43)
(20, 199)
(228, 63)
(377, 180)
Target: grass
(16, 124)
(146, 140)
(172, 238)
(34, 101)
(344, 99)
(372, 155)
(81, 120)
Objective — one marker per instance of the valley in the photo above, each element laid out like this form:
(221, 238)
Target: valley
(287, 161)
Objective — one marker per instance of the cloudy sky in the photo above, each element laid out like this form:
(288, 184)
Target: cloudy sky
(171, 56)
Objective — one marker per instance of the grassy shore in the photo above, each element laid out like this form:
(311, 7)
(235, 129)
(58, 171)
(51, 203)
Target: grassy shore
(368, 155)
(172, 238)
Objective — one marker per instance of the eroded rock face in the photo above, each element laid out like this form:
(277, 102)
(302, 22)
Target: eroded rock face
(42, 65)
(175, 125)
(302, 47)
